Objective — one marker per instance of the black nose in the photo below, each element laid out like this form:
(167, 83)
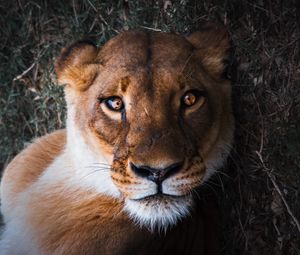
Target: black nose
(154, 174)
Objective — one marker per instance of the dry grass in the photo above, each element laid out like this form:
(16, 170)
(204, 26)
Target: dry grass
(259, 190)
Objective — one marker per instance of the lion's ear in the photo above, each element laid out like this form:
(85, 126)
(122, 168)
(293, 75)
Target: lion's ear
(76, 65)
(212, 45)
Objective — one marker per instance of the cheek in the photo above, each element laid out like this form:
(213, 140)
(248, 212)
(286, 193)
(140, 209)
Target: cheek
(200, 121)
(119, 172)
(187, 180)
(127, 183)
(108, 131)
(105, 128)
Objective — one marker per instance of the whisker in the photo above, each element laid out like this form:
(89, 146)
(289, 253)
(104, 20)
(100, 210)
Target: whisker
(207, 184)
(222, 173)
(101, 164)
(194, 191)
(95, 171)
(101, 168)
(221, 182)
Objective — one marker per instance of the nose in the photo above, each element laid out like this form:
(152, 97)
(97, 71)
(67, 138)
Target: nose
(156, 175)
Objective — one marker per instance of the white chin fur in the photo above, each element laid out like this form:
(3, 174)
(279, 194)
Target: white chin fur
(155, 215)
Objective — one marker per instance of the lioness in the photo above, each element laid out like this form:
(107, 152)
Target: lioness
(149, 120)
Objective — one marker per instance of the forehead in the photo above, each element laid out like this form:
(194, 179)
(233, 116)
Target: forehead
(148, 60)
(132, 49)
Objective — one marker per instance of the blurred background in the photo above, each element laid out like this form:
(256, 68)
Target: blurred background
(259, 189)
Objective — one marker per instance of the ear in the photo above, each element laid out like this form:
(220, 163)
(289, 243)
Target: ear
(212, 45)
(76, 65)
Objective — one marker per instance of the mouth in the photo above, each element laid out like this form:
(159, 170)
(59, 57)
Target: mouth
(158, 196)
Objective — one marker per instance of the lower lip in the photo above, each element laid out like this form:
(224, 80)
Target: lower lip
(155, 196)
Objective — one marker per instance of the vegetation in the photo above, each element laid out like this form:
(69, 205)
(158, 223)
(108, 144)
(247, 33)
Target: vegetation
(259, 189)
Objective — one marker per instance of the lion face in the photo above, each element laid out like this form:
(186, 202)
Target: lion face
(157, 106)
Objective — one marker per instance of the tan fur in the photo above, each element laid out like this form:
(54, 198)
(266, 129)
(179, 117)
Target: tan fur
(50, 182)
(213, 45)
(26, 167)
(87, 220)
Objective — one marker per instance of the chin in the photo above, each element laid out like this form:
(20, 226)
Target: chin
(160, 212)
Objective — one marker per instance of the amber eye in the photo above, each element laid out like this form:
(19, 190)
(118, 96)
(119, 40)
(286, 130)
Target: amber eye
(192, 97)
(114, 103)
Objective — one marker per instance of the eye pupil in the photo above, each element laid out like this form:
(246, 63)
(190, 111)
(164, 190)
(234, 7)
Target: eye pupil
(114, 103)
(193, 97)
(189, 99)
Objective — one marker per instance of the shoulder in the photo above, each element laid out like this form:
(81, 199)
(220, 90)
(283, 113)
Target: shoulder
(28, 165)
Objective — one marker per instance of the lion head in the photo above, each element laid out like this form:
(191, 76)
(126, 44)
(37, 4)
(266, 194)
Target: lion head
(154, 111)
